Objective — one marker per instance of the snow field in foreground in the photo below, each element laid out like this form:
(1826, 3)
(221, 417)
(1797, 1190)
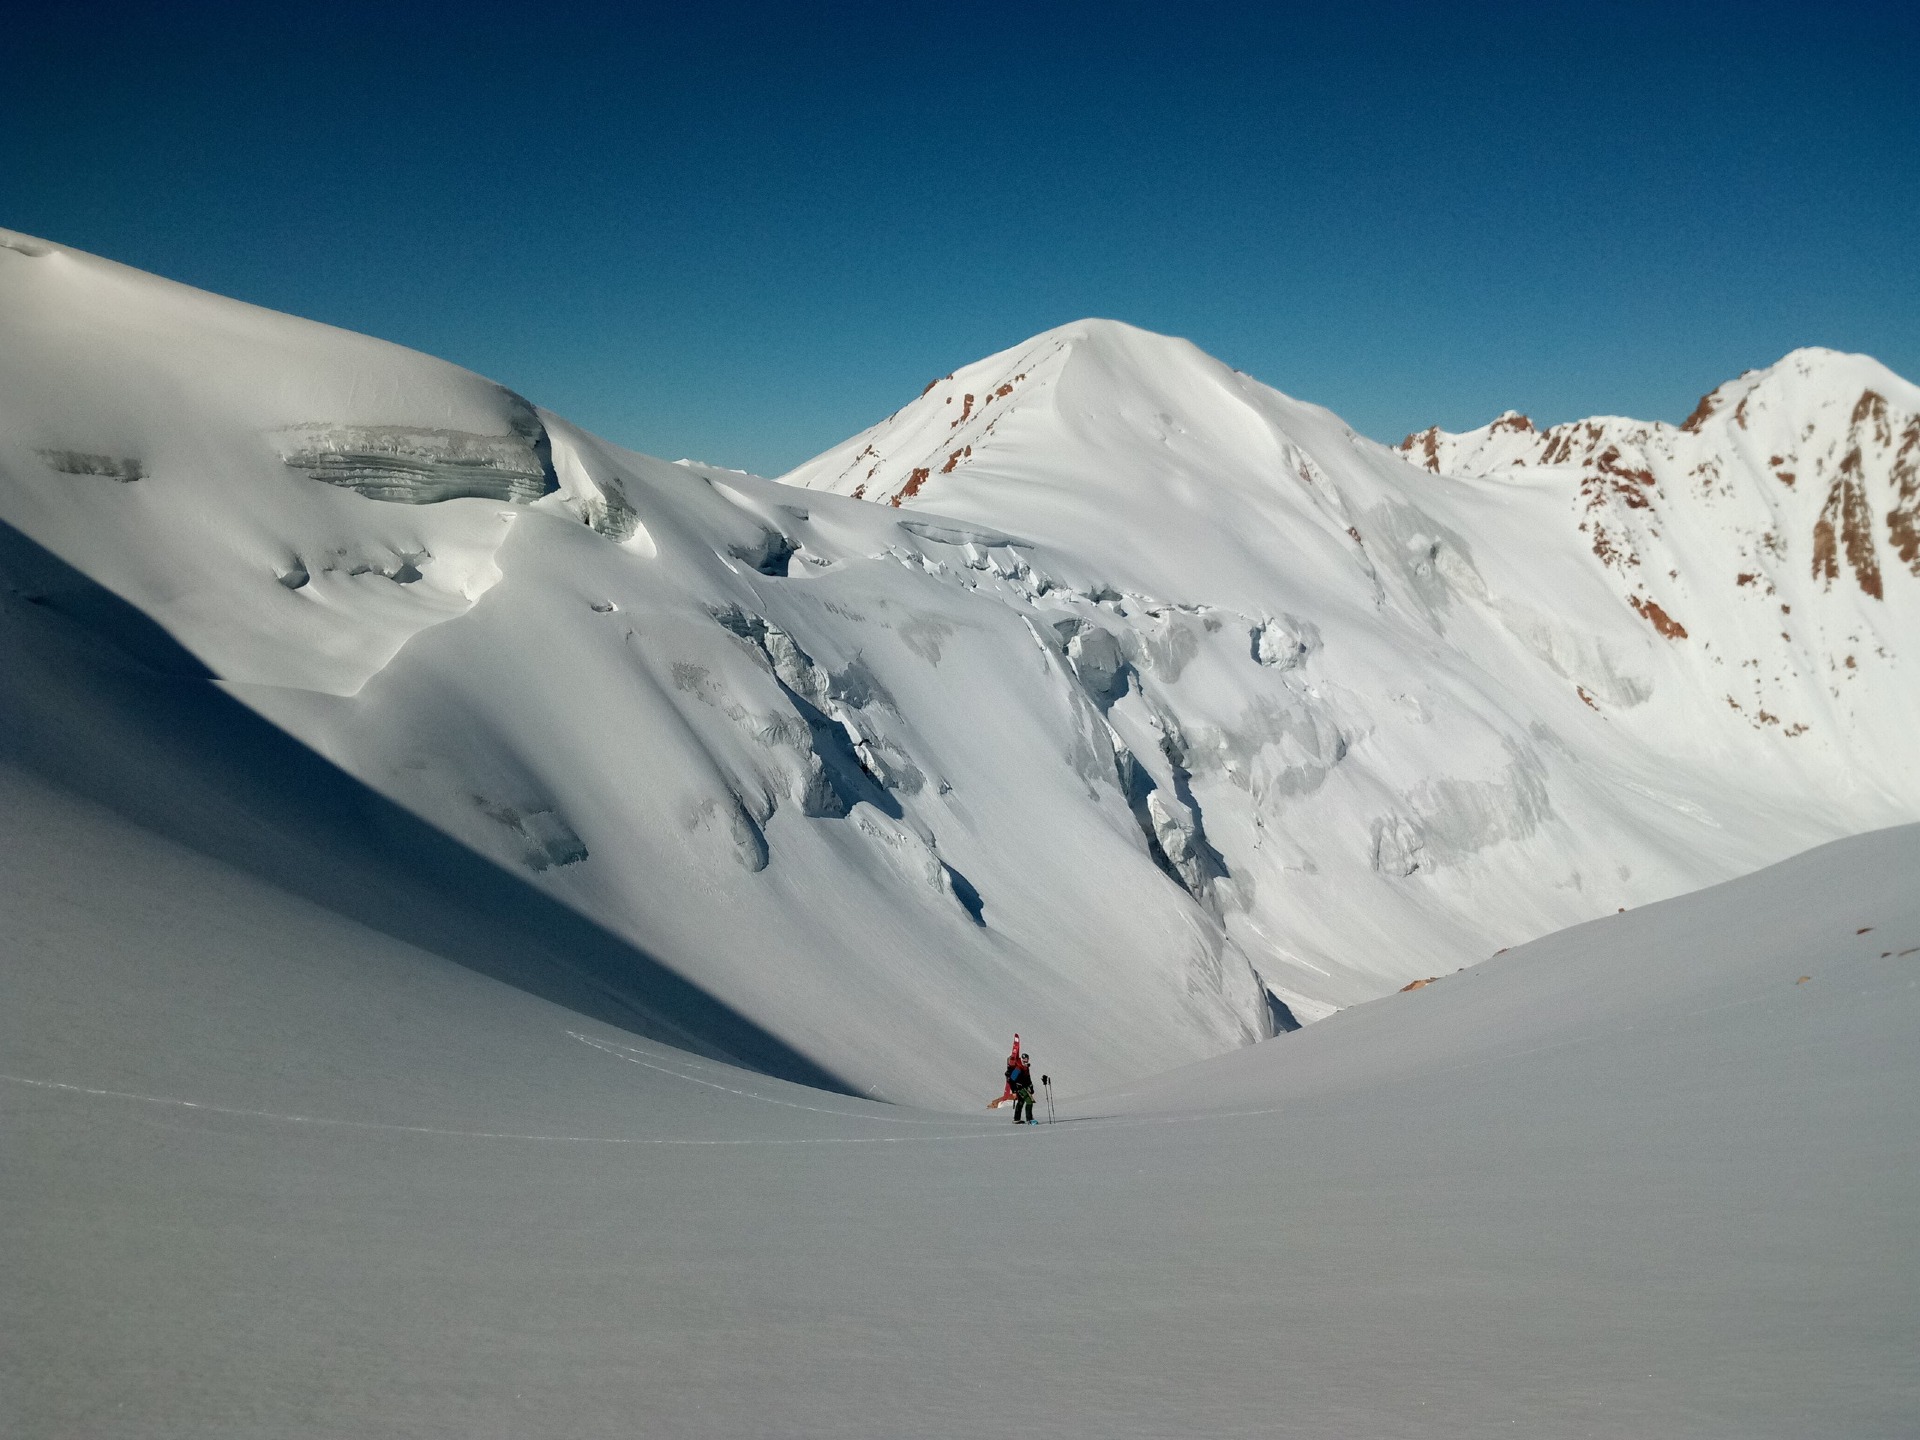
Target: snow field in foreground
(270, 1172)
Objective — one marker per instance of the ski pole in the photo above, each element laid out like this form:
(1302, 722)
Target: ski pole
(1046, 1083)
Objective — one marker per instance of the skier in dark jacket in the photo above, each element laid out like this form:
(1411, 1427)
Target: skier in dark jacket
(1020, 1081)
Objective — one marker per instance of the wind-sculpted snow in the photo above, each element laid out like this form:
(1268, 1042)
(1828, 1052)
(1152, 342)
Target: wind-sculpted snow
(1116, 699)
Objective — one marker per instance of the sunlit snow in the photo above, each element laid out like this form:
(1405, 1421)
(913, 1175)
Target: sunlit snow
(468, 887)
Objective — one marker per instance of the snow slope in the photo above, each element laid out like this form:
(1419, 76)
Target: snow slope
(1171, 714)
(1487, 701)
(265, 1170)
(676, 700)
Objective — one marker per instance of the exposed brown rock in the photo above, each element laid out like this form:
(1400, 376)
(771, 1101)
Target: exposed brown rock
(1427, 443)
(912, 487)
(1846, 526)
(1872, 405)
(1652, 612)
(1826, 553)
(1513, 420)
(1609, 464)
(1611, 554)
(1709, 402)
(1903, 521)
(1561, 440)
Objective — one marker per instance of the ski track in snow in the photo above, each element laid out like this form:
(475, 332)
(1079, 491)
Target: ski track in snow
(633, 1057)
(342, 1123)
(622, 1052)
(625, 1053)
(338, 1122)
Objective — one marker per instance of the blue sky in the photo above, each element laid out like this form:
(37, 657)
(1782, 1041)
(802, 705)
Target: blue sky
(744, 232)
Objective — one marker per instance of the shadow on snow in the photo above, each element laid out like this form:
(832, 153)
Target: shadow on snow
(100, 700)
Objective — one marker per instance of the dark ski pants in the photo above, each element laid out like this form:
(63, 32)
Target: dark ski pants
(1023, 1098)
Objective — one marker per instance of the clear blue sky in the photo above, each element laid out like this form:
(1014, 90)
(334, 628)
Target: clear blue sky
(743, 233)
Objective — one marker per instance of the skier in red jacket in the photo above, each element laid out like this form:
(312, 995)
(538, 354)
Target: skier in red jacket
(1013, 1059)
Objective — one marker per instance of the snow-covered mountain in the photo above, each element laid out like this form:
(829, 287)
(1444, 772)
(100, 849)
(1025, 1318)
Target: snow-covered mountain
(1146, 712)
(1792, 480)
(1537, 675)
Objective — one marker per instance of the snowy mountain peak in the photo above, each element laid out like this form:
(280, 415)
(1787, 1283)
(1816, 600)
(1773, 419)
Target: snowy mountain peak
(1809, 384)
(1090, 371)
(1750, 538)
(1809, 378)
(1827, 443)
